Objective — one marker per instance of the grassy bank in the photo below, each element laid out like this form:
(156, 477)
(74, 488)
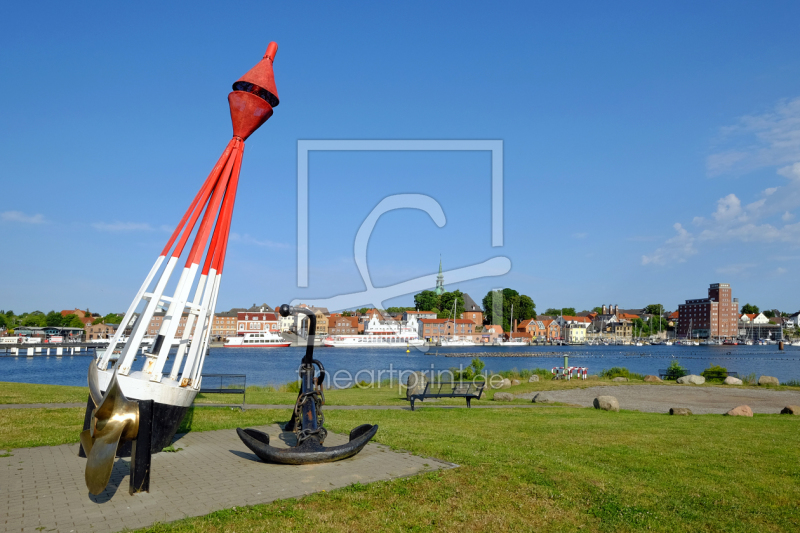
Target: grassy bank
(555, 469)
(558, 469)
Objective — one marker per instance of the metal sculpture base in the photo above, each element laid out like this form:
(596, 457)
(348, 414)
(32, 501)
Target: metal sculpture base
(307, 419)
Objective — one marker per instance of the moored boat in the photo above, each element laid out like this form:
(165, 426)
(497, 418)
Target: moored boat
(257, 340)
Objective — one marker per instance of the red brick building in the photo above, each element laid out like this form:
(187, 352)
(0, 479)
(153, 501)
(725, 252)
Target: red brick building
(436, 329)
(256, 322)
(342, 325)
(714, 317)
(540, 329)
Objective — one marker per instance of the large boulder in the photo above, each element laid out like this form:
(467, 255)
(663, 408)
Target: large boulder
(768, 380)
(680, 411)
(791, 410)
(416, 384)
(742, 410)
(620, 378)
(503, 397)
(606, 403)
(652, 379)
(730, 380)
(542, 398)
(692, 379)
(506, 383)
(533, 378)
(515, 382)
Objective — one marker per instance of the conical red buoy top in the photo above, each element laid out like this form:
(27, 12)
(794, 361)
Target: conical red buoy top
(254, 95)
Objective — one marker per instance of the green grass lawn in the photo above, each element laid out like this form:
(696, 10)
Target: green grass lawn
(11, 392)
(555, 469)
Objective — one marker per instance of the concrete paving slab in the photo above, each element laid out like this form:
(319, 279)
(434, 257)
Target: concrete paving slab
(44, 487)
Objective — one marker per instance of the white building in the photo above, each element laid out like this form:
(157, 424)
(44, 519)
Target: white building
(754, 318)
(391, 327)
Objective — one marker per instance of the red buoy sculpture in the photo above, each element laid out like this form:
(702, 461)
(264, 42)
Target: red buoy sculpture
(203, 231)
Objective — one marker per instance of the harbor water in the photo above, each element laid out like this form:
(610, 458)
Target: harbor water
(275, 366)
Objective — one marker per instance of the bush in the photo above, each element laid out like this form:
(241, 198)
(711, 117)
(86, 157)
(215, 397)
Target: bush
(715, 373)
(749, 379)
(792, 383)
(675, 370)
(292, 386)
(619, 372)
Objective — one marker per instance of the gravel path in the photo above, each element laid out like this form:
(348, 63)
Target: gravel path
(659, 398)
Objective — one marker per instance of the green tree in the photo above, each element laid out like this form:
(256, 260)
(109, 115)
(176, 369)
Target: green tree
(3, 321)
(426, 301)
(598, 310)
(395, 310)
(446, 304)
(363, 310)
(497, 305)
(769, 314)
(112, 318)
(748, 309)
(654, 309)
(36, 319)
(72, 321)
(54, 319)
(551, 311)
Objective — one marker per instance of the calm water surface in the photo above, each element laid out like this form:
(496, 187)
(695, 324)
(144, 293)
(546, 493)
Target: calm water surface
(273, 366)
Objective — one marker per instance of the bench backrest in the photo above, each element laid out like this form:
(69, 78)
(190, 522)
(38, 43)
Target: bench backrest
(455, 388)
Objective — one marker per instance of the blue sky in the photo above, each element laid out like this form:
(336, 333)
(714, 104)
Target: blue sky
(649, 148)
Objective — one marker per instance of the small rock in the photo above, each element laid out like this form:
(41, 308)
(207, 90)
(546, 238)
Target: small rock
(506, 383)
(620, 379)
(503, 397)
(533, 378)
(730, 380)
(692, 379)
(791, 410)
(768, 380)
(542, 398)
(742, 410)
(607, 403)
(680, 411)
(515, 382)
(652, 379)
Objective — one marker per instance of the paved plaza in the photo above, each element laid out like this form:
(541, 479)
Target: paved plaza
(43, 489)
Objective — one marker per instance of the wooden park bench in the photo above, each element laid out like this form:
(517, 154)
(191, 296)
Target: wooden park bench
(221, 384)
(450, 389)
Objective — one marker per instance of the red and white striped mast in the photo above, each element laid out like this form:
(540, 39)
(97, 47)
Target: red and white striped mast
(208, 220)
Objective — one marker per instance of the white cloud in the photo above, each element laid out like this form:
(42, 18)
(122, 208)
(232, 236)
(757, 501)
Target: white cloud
(755, 141)
(19, 216)
(122, 226)
(735, 269)
(780, 270)
(247, 239)
(674, 250)
(758, 141)
(579, 235)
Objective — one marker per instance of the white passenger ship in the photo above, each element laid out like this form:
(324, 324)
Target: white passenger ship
(257, 340)
(377, 334)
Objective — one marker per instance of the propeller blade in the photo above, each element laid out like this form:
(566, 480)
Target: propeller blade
(100, 461)
(94, 384)
(86, 440)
